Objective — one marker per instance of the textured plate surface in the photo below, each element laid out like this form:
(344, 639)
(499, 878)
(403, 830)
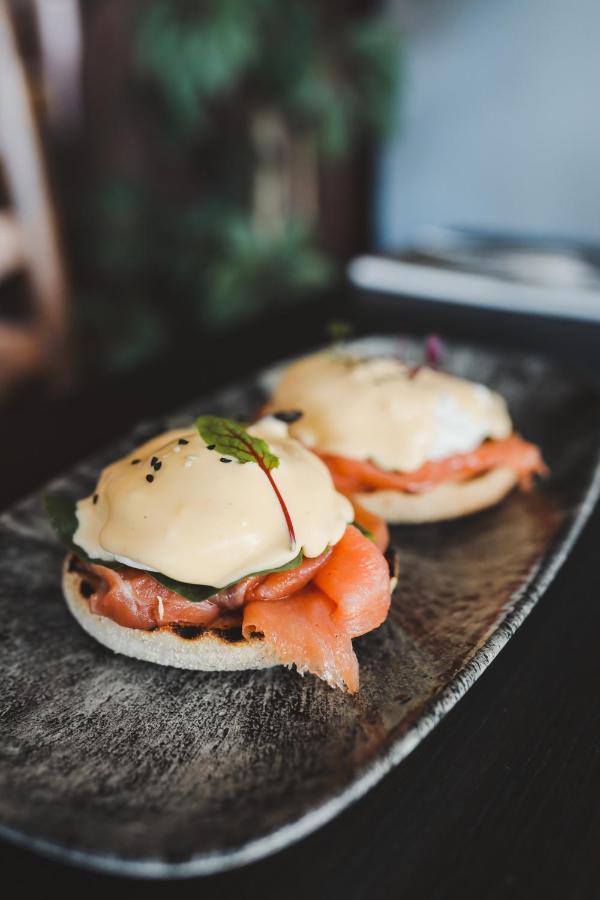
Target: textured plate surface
(140, 769)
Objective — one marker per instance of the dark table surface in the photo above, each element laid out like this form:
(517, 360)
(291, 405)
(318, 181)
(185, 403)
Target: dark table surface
(502, 799)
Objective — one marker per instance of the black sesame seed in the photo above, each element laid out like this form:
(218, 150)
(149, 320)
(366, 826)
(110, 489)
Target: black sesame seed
(95, 500)
(288, 415)
(210, 446)
(154, 460)
(182, 441)
(134, 462)
(157, 466)
(225, 459)
(150, 478)
(86, 589)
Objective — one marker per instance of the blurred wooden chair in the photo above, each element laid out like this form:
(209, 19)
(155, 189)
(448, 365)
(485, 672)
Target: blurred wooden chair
(38, 344)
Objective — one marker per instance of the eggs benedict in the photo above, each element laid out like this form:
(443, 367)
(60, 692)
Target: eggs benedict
(220, 547)
(410, 444)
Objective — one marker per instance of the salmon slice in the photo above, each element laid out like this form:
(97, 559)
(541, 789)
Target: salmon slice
(135, 599)
(349, 595)
(281, 584)
(302, 631)
(352, 475)
(308, 615)
(356, 577)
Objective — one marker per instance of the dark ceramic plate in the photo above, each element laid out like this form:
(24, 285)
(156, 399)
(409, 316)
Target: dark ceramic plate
(137, 769)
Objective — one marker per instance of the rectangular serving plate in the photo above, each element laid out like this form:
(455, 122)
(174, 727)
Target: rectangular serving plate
(142, 770)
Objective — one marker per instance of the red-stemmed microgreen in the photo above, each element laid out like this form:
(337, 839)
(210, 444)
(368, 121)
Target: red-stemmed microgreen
(231, 439)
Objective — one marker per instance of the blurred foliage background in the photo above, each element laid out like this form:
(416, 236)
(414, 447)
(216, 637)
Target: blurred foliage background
(225, 164)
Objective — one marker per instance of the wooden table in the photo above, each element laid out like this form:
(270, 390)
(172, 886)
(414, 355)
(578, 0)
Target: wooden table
(502, 799)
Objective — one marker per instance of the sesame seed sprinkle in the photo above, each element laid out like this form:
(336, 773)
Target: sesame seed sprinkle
(134, 462)
(288, 415)
(95, 500)
(157, 465)
(182, 441)
(150, 478)
(154, 460)
(225, 459)
(210, 446)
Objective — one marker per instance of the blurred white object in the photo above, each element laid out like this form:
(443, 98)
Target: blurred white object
(28, 236)
(497, 121)
(12, 255)
(59, 29)
(496, 271)
(554, 262)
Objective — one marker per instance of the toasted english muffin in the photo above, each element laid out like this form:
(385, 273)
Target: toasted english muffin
(450, 500)
(184, 647)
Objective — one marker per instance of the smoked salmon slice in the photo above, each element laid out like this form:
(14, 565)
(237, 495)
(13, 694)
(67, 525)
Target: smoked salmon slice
(281, 584)
(352, 475)
(357, 578)
(135, 599)
(349, 596)
(308, 615)
(302, 632)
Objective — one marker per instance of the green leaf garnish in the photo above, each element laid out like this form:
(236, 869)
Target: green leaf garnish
(196, 593)
(364, 531)
(339, 331)
(230, 438)
(286, 567)
(61, 512)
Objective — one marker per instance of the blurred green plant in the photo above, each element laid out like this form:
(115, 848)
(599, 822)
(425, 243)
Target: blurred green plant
(194, 51)
(240, 270)
(332, 76)
(206, 72)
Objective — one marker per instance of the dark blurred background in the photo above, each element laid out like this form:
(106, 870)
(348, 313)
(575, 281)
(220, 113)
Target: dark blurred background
(208, 161)
(184, 182)
(173, 173)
